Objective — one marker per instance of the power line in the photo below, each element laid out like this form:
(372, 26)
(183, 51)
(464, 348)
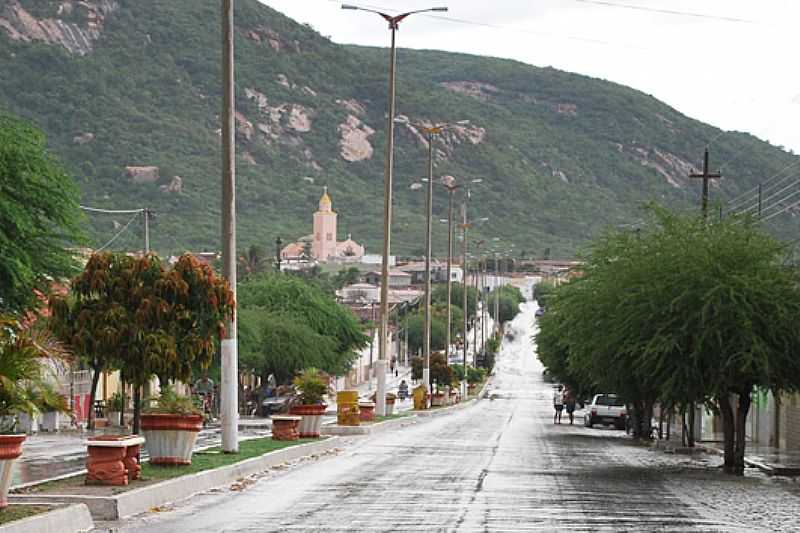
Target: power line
(742, 198)
(669, 11)
(112, 211)
(773, 215)
(114, 238)
(743, 207)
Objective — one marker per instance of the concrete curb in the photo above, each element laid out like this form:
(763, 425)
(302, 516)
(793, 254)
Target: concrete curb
(370, 429)
(169, 491)
(445, 410)
(66, 519)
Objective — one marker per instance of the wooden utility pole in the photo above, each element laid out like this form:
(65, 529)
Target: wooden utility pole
(705, 176)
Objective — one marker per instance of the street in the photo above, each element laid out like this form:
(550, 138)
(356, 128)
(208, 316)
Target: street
(501, 465)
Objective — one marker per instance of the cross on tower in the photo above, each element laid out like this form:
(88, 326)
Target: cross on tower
(706, 175)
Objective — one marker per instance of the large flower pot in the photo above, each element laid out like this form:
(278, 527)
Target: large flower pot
(113, 418)
(312, 419)
(27, 423)
(10, 449)
(389, 406)
(50, 421)
(170, 438)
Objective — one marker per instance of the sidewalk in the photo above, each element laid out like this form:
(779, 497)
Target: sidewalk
(768, 459)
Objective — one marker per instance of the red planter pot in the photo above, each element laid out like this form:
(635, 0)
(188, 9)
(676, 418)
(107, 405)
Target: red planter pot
(311, 423)
(171, 438)
(10, 449)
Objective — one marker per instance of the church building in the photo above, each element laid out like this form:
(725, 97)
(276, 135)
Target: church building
(322, 244)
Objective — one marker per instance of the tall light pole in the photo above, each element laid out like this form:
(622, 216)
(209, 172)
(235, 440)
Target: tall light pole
(230, 382)
(476, 275)
(451, 189)
(394, 24)
(431, 132)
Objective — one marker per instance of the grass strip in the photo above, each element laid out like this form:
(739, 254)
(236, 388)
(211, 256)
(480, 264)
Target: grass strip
(17, 511)
(201, 461)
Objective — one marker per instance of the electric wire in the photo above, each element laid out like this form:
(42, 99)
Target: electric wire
(742, 198)
(766, 200)
(668, 11)
(779, 203)
(114, 238)
(111, 211)
(773, 215)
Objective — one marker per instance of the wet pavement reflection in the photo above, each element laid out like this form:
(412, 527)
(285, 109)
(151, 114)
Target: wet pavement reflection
(501, 465)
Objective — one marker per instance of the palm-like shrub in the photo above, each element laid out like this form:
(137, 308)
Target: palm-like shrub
(28, 357)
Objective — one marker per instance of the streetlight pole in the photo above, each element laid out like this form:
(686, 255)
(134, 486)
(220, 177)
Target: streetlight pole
(464, 227)
(230, 381)
(476, 276)
(426, 372)
(278, 243)
(394, 24)
(451, 189)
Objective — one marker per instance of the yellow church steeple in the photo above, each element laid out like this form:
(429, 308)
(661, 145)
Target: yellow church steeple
(325, 201)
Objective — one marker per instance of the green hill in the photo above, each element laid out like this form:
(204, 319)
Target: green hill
(135, 83)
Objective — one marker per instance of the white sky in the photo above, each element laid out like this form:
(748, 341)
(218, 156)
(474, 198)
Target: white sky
(725, 62)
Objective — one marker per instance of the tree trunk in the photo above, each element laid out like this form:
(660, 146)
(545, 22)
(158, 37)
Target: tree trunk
(92, 395)
(741, 430)
(727, 431)
(690, 434)
(137, 408)
(122, 408)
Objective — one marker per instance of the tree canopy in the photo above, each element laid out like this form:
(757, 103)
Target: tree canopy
(288, 324)
(509, 298)
(680, 312)
(39, 216)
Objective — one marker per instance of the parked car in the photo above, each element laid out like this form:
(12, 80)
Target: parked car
(539, 312)
(608, 409)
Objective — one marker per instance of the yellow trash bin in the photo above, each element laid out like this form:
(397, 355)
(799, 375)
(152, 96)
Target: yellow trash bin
(420, 398)
(347, 412)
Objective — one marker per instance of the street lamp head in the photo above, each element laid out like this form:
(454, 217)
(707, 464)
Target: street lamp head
(349, 6)
(440, 9)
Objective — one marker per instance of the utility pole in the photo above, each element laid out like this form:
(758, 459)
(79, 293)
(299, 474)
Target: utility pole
(759, 200)
(451, 189)
(464, 227)
(146, 212)
(230, 375)
(426, 372)
(705, 176)
(278, 243)
(496, 296)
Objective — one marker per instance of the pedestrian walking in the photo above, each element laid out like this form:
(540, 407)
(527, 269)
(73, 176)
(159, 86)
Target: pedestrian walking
(558, 403)
(569, 403)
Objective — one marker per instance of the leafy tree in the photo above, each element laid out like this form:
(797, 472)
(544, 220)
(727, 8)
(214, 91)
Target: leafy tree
(683, 312)
(253, 261)
(148, 320)
(542, 292)
(277, 310)
(509, 299)
(39, 217)
(416, 331)
(439, 296)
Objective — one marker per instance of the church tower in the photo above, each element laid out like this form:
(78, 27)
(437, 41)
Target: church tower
(324, 245)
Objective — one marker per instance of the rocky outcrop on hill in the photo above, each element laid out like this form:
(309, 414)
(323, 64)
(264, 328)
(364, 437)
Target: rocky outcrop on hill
(75, 26)
(354, 142)
(142, 174)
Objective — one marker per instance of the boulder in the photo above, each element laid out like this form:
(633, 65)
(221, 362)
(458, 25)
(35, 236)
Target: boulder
(142, 174)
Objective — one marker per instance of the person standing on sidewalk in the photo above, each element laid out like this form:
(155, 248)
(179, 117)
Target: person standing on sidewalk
(569, 403)
(558, 403)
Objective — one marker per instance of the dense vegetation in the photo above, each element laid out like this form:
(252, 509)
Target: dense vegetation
(287, 324)
(39, 217)
(682, 313)
(562, 155)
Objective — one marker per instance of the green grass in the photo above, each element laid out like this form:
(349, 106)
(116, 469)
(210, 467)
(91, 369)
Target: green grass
(215, 458)
(18, 512)
(394, 416)
(201, 461)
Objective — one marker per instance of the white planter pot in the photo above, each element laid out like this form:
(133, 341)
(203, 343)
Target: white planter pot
(170, 446)
(113, 418)
(170, 438)
(50, 421)
(28, 424)
(10, 449)
(390, 408)
(310, 425)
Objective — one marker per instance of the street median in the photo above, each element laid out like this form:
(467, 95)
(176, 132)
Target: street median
(126, 503)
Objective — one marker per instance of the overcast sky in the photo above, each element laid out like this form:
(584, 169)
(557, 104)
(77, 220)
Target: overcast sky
(730, 63)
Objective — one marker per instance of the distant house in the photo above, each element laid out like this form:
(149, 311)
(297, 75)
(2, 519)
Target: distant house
(397, 279)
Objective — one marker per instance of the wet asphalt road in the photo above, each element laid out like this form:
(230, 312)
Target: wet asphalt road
(500, 465)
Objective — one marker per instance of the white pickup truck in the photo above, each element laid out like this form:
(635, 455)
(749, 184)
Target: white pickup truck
(606, 409)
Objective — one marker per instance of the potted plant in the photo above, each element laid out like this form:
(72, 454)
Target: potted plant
(390, 399)
(52, 405)
(170, 424)
(312, 387)
(24, 356)
(114, 409)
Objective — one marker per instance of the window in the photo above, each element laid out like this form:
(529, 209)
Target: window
(610, 400)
